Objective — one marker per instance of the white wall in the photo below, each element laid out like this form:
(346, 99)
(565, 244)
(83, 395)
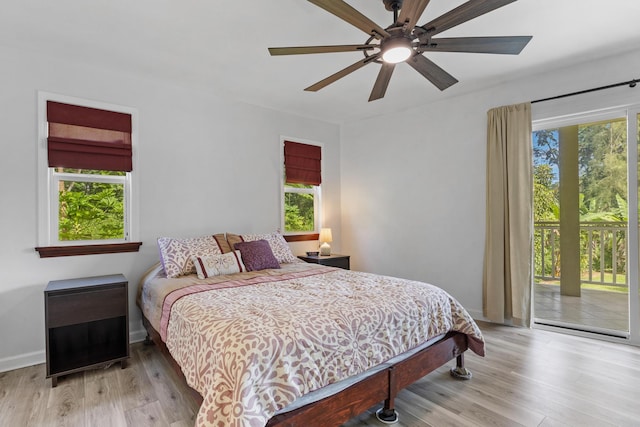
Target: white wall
(413, 183)
(205, 165)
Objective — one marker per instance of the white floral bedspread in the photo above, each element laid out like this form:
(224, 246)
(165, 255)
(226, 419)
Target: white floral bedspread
(252, 349)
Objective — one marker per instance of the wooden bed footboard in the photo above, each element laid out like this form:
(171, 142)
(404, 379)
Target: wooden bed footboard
(382, 386)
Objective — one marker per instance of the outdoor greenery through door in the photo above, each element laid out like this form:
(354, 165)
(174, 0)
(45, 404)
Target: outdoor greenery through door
(581, 214)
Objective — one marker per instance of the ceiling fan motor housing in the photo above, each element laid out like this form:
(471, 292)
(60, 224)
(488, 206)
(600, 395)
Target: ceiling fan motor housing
(397, 38)
(392, 5)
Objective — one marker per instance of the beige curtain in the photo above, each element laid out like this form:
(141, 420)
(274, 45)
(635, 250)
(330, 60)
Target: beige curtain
(508, 246)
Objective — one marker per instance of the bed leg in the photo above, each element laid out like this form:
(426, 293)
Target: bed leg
(460, 372)
(148, 340)
(387, 414)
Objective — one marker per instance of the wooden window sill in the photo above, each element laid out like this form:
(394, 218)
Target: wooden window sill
(113, 248)
(301, 237)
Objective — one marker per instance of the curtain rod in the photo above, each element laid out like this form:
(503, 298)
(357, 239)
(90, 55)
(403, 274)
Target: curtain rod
(631, 83)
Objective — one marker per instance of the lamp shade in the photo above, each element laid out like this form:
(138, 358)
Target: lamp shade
(325, 235)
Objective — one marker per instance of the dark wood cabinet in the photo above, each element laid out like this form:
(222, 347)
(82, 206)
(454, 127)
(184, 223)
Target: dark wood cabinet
(335, 260)
(87, 324)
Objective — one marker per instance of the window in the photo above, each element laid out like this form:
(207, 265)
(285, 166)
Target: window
(85, 176)
(301, 188)
(90, 205)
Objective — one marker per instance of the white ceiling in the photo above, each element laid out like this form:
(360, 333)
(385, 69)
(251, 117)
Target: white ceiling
(222, 45)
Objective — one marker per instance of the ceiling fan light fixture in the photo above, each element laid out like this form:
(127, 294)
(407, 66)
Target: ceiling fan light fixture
(396, 49)
(404, 41)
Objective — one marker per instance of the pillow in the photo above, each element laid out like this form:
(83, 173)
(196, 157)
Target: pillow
(279, 246)
(217, 265)
(175, 254)
(257, 255)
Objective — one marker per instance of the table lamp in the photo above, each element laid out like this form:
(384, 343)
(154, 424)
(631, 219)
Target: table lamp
(325, 238)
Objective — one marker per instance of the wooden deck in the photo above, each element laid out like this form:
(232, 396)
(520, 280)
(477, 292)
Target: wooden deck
(593, 309)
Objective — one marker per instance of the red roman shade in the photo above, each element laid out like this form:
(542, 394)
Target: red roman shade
(302, 163)
(88, 138)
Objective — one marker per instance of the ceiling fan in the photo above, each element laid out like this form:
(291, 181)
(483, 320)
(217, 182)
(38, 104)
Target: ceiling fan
(403, 41)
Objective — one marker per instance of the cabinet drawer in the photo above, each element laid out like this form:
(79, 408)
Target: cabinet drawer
(337, 262)
(67, 308)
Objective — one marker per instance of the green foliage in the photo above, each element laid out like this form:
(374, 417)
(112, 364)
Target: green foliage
(602, 164)
(90, 211)
(545, 148)
(299, 212)
(545, 194)
(546, 208)
(603, 186)
(603, 169)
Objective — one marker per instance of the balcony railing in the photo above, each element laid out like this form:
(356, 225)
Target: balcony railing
(603, 252)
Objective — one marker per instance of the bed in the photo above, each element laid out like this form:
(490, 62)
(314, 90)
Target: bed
(299, 344)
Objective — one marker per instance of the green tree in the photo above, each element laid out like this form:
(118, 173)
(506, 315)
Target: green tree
(299, 210)
(545, 208)
(545, 194)
(545, 146)
(90, 210)
(603, 168)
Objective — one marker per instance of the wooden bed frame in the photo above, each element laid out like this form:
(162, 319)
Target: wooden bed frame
(357, 398)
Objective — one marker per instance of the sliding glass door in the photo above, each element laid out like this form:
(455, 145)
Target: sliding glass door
(586, 222)
(634, 218)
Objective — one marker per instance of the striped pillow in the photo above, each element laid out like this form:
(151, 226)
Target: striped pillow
(217, 265)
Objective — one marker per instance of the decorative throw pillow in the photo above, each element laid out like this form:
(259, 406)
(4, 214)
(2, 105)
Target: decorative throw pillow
(175, 254)
(217, 265)
(257, 255)
(279, 246)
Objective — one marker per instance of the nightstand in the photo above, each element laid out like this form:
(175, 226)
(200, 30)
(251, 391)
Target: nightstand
(335, 260)
(86, 324)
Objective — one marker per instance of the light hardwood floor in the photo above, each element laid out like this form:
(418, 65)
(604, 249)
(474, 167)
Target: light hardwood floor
(529, 378)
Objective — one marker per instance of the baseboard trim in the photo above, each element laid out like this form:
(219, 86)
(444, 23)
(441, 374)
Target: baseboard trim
(137, 335)
(37, 357)
(22, 361)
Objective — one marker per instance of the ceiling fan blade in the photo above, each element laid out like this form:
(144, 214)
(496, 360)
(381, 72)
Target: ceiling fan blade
(347, 13)
(380, 87)
(301, 50)
(463, 13)
(411, 11)
(340, 74)
(436, 75)
(501, 45)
